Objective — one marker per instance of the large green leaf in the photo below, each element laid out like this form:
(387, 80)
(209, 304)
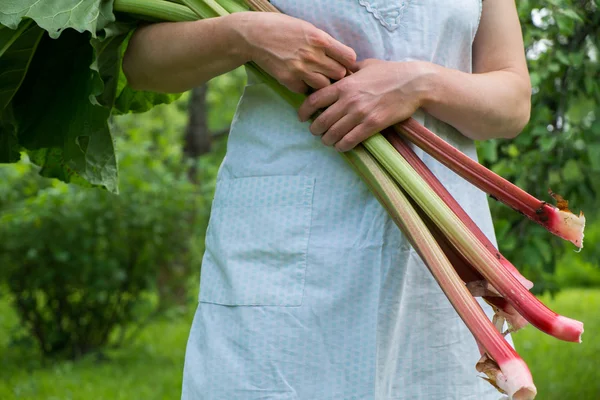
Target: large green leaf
(108, 54)
(16, 51)
(57, 15)
(56, 117)
(138, 101)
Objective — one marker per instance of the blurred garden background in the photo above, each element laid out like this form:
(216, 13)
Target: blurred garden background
(97, 291)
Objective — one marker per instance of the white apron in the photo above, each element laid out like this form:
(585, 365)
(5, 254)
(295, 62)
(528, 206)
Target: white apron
(308, 290)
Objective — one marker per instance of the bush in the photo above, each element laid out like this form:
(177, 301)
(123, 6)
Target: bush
(81, 262)
(78, 261)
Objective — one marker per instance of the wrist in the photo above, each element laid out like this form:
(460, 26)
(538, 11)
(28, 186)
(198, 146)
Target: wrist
(427, 83)
(237, 26)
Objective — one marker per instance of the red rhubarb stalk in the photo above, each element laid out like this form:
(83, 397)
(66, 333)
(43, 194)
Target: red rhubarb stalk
(469, 246)
(558, 220)
(408, 153)
(507, 371)
(475, 282)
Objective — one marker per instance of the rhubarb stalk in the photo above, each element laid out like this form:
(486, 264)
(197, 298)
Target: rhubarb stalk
(407, 152)
(475, 282)
(468, 244)
(507, 371)
(558, 220)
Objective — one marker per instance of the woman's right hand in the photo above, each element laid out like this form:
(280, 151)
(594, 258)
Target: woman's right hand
(293, 51)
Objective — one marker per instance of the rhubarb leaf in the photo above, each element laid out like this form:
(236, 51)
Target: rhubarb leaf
(57, 15)
(138, 101)
(108, 54)
(65, 132)
(16, 51)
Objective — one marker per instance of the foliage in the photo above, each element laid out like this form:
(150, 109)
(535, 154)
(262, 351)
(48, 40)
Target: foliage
(559, 147)
(64, 66)
(80, 262)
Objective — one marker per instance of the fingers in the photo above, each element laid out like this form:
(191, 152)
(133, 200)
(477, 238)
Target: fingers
(341, 128)
(354, 137)
(297, 86)
(341, 53)
(332, 69)
(319, 99)
(317, 81)
(328, 118)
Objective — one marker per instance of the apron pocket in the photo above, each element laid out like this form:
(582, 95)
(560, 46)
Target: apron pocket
(257, 240)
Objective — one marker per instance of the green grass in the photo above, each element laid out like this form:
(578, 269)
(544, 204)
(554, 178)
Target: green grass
(564, 370)
(151, 367)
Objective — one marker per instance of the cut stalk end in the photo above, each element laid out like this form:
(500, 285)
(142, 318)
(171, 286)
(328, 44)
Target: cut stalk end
(511, 377)
(565, 224)
(570, 329)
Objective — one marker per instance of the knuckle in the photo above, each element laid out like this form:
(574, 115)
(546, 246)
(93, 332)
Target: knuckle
(354, 102)
(374, 119)
(327, 140)
(345, 144)
(313, 100)
(296, 68)
(318, 38)
(343, 85)
(309, 57)
(322, 123)
(338, 74)
(336, 135)
(363, 111)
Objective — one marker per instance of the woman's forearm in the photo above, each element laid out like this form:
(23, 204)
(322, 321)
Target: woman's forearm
(481, 106)
(175, 57)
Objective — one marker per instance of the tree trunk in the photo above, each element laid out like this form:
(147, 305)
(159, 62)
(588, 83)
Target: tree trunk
(197, 136)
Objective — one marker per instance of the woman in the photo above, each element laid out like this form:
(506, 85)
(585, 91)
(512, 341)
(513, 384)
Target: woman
(308, 290)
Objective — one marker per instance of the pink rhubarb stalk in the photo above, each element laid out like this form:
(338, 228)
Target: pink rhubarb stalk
(475, 282)
(408, 153)
(506, 370)
(558, 220)
(470, 247)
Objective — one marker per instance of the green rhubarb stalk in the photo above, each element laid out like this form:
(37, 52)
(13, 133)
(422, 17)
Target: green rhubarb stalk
(558, 220)
(509, 372)
(233, 6)
(409, 155)
(475, 282)
(205, 8)
(467, 243)
(156, 9)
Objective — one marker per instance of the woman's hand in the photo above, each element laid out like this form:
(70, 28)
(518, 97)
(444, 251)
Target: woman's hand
(294, 52)
(377, 95)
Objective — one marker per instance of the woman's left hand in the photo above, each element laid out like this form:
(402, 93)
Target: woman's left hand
(379, 94)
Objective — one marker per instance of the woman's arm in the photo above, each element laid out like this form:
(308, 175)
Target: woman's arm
(492, 102)
(174, 57)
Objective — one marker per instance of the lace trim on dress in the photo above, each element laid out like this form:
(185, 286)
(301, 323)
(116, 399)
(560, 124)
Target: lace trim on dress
(389, 17)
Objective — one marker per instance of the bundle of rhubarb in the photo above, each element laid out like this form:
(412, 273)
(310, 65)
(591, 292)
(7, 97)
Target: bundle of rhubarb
(461, 258)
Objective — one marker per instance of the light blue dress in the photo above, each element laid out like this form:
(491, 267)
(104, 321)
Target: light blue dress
(308, 290)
